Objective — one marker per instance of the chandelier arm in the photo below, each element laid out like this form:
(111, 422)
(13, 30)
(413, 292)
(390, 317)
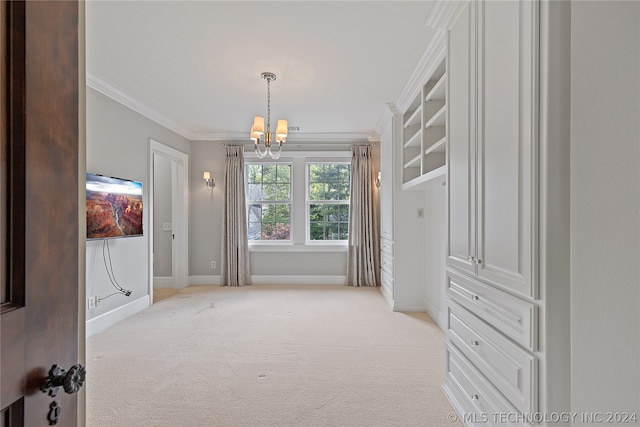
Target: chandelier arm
(261, 154)
(277, 154)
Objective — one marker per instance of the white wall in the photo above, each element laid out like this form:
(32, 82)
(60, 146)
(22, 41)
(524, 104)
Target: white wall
(605, 206)
(118, 145)
(435, 254)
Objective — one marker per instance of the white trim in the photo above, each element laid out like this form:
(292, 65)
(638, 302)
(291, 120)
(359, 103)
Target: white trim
(180, 213)
(325, 137)
(445, 13)
(436, 315)
(386, 293)
(164, 282)
(204, 280)
(398, 306)
(428, 62)
(274, 280)
(104, 321)
(99, 84)
(299, 280)
(267, 246)
(249, 153)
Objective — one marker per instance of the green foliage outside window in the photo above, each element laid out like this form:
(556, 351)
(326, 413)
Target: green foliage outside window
(269, 201)
(328, 195)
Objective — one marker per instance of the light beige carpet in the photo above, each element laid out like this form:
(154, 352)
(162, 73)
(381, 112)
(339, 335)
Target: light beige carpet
(268, 356)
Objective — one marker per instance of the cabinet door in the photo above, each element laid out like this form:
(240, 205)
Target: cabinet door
(507, 142)
(461, 174)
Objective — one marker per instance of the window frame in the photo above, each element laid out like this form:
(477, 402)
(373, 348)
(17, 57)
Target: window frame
(290, 202)
(309, 202)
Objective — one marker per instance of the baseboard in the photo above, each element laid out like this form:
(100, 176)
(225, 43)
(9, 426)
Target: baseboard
(204, 280)
(436, 314)
(399, 306)
(298, 280)
(387, 295)
(164, 282)
(102, 322)
(274, 280)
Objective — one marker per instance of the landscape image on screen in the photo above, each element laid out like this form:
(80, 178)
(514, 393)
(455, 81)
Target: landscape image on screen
(114, 207)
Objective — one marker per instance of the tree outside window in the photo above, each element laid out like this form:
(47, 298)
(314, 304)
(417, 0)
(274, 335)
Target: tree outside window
(328, 201)
(269, 201)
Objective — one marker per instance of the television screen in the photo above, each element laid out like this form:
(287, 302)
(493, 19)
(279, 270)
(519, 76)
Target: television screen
(114, 207)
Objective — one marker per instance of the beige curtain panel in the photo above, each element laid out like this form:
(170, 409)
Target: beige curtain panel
(235, 247)
(363, 262)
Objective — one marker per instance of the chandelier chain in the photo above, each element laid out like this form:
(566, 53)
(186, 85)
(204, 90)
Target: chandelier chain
(268, 104)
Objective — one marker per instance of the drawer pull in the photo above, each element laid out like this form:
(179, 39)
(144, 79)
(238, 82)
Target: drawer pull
(474, 343)
(475, 397)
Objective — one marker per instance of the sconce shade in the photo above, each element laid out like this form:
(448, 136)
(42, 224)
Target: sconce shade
(207, 175)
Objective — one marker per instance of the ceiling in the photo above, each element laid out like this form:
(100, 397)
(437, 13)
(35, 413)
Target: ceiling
(194, 66)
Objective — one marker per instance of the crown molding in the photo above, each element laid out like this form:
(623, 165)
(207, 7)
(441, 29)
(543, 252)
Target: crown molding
(320, 137)
(440, 18)
(444, 13)
(430, 59)
(99, 84)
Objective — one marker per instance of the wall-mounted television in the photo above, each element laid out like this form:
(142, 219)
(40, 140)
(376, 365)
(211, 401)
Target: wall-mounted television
(114, 207)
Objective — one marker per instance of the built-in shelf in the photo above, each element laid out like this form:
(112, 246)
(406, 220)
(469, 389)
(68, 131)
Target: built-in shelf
(424, 133)
(435, 177)
(438, 119)
(412, 163)
(414, 119)
(438, 147)
(413, 141)
(438, 90)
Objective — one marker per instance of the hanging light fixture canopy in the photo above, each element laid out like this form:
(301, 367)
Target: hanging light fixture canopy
(258, 133)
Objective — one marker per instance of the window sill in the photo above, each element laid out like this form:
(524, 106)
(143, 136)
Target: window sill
(265, 247)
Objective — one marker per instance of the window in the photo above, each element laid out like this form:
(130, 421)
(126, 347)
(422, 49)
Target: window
(328, 201)
(269, 201)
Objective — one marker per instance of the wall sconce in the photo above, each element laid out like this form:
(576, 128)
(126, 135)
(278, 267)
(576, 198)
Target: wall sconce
(378, 179)
(211, 182)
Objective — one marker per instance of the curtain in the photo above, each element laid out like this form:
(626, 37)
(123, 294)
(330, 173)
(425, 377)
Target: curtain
(235, 247)
(363, 257)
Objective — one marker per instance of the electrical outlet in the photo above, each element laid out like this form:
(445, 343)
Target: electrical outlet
(92, 302)
(213, 264)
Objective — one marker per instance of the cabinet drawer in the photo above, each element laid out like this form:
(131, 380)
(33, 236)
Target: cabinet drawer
(512, 316)
(386, 246)
(386, 263)
(478, 402)
(387, 281)
(512, 370)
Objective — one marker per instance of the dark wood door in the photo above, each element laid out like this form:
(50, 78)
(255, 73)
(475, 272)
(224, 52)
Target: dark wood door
(39, 206)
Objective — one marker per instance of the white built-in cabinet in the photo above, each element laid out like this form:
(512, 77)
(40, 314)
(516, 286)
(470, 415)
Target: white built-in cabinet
(486, 115)
(492, 198)
(492, 326)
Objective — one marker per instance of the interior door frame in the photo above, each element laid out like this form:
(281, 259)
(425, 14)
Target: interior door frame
(179, 213)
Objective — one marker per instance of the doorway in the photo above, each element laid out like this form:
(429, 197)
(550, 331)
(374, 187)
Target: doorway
(168, 218)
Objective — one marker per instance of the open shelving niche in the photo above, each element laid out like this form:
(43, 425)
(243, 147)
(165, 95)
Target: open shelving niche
(424, 133)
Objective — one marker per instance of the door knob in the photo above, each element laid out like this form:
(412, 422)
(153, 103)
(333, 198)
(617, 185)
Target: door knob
(70, 380)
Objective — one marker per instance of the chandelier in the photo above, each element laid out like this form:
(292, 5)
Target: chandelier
(258, 133)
